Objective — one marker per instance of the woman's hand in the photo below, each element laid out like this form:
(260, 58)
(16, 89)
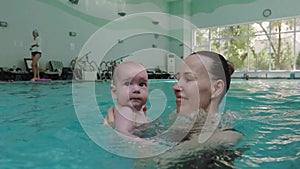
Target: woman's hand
(110, 117)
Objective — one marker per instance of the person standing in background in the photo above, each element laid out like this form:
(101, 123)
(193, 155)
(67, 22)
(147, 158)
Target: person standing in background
(36, 53)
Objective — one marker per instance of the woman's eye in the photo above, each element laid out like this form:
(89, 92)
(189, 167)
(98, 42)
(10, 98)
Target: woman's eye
(190, 78)
(186, 76)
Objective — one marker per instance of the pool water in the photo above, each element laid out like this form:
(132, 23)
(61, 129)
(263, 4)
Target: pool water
(39, 125)
(270, 112)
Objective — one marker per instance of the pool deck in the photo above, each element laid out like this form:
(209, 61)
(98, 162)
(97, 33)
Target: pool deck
(267, 75)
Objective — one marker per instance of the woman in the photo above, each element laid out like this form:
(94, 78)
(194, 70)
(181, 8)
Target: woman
(36, 53)
(203, 81)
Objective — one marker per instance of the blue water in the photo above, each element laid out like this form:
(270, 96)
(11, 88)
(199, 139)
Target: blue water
(271, 122)
(40, 128)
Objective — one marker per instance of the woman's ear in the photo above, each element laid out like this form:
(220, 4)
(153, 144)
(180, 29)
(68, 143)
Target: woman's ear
(113, 91)
(217, 88)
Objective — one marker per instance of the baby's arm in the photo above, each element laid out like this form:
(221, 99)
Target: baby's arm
(124, 120)
(110, 116)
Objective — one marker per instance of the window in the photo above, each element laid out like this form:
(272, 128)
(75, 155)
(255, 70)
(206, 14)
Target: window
(268, 45)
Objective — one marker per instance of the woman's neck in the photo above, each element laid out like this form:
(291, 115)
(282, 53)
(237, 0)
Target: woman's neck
(206, 122)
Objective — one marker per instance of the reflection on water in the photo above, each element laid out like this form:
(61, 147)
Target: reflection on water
(270, 121)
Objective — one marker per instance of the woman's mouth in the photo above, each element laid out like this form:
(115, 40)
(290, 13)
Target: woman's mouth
(180, 99)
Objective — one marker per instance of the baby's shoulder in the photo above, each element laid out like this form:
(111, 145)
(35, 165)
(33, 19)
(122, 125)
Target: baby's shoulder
(124, 111)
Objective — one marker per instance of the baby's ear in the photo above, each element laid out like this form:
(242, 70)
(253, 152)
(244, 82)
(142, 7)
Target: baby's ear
(113, 91)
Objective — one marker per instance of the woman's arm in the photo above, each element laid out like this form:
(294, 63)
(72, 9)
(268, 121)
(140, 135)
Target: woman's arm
(35, 45)
(110, 118)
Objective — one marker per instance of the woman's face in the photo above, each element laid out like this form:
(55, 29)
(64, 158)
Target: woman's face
(34, 34)
(193, 90)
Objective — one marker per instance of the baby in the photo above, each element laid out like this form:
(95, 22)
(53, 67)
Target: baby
(130, 89)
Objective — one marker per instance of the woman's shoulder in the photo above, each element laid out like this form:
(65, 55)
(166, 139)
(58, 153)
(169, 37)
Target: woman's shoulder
(229, 136)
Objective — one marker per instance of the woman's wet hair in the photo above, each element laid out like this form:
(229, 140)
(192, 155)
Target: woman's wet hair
(228, 67)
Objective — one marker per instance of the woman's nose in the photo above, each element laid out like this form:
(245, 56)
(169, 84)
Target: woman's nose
(177, 87)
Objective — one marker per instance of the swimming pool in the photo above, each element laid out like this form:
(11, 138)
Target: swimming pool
(40, 129)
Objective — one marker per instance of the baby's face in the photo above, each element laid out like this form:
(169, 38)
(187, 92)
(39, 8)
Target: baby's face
(131, 86)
